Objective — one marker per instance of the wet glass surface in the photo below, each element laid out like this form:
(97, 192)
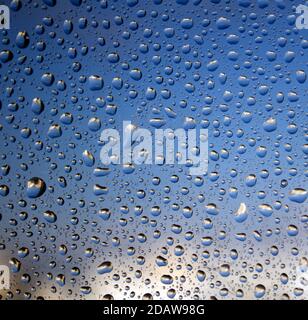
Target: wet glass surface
(72, 228)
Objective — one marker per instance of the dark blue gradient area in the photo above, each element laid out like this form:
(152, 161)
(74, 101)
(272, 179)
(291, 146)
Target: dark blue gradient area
(70, 69)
